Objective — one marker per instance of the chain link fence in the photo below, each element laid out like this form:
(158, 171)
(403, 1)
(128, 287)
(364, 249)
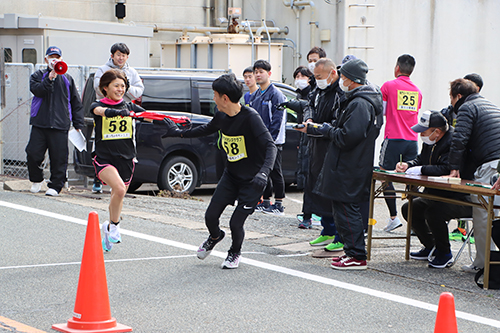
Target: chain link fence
(15, 117)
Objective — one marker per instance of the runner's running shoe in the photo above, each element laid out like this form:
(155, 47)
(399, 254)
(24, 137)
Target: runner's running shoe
(306, 224)
(232, 261)
(457, 234)
(114, 233)
(106, 244)
(393, 224)
(275, 210)
(96, 188)
(261, 206)
(207, 246)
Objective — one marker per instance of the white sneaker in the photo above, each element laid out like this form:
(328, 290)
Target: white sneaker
(393, 224)
(470, 268)
(36, 187)
(232, 261)
(51, 192)
(106, 244)
(114, 233)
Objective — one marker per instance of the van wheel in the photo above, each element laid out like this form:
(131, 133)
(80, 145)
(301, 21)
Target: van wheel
(178, 174)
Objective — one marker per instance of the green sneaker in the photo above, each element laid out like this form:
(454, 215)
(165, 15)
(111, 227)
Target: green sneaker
(322, 241)
(332, 247)
(471, 239)
(456, 235)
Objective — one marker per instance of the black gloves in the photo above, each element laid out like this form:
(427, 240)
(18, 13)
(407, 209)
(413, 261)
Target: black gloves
(259, 182)
(171, 128)
(114, 112)
(319, 130)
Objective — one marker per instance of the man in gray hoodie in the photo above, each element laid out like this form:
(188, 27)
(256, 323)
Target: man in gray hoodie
(119, 56)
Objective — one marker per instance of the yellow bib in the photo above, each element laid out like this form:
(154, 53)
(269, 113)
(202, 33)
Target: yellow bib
(235, 147)
(408, 100)
(117, 128)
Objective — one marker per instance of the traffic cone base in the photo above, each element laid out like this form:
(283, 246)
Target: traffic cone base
(92, 312)
(117, 328)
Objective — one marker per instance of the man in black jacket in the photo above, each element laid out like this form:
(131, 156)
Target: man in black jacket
(477, 135)
(429, 217)
(55, 106)
(348, 165)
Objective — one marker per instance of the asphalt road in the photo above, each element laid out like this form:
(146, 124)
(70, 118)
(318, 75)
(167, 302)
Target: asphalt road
(156, 283)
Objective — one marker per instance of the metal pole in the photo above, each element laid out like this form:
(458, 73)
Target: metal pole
(2, 102)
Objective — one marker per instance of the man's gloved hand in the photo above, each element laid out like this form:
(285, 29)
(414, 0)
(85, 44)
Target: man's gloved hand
(416, 170)
(259, 181)
(109, 112)
(283, 105)
(296, 105)
(318, 130)
(171, 127)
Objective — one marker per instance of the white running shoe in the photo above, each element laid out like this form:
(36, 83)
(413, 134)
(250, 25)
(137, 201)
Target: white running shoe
(393, 224)
(114, 233)
(52, 193)
(207, 246)
(232, 261)
(106, 244)
(470, 268)
(36, 187)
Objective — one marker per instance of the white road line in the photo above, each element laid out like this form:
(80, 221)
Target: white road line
(274, 268)
(113, 260)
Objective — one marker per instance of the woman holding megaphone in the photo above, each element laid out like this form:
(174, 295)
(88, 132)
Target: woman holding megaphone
(55, 105)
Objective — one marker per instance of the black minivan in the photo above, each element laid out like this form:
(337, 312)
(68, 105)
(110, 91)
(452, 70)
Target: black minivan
(179, 164)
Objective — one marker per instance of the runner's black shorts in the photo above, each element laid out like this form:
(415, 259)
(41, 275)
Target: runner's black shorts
(125, 167)
(229, 190)
(392, 149)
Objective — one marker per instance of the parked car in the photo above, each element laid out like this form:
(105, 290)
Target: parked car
(179, 164)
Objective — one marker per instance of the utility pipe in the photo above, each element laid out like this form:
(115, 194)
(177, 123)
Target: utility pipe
(207, 13)
(312, 22)
(158, 28)
(263, 6)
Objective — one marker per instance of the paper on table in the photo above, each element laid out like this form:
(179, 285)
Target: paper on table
(77, 139)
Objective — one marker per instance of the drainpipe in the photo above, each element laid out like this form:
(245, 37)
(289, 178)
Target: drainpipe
(312, 22)
(263, 6)
(207, 13)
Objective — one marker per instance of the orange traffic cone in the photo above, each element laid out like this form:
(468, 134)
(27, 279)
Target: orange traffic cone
(446, 320)
(92, 311)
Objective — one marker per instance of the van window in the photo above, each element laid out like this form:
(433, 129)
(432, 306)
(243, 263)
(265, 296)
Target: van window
(7, 54)
(29, 56)
(207, 103)
(167, 95)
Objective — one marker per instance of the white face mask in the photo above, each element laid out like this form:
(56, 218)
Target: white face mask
(323, 84)
(311, 66)
(427, 141)
(301, 83)
(341, 85)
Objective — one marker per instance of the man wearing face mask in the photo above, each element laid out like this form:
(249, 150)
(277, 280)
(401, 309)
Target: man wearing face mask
(324, 104)
(56, 105)
(312, 57)
(429, 217)
(476, 134)
(348, 165)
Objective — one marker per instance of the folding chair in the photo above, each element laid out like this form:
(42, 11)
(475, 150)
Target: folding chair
(466, 242)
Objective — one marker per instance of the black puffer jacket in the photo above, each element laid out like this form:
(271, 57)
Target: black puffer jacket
(477, 133)
(348, 165)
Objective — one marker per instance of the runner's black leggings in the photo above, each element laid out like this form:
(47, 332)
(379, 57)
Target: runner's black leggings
(212, 215)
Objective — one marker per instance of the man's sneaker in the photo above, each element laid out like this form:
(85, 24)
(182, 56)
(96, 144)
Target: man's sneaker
(349, 263)
(470, 268)
(442, 261)
(306, 224)
(97, 188)
(275, 210)
(393, 224)
(106, 244)
(232, 261)
(36, 187)
(332, 247)
(261, 206)
(423, 254)
(457, 234)
(52, 193)
(207, 246)
(114, 233)
(322, 240)
(337, 259)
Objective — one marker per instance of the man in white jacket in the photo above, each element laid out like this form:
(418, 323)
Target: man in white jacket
(119, 56)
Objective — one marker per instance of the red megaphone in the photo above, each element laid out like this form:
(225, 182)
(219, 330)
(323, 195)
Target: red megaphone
(60, 67)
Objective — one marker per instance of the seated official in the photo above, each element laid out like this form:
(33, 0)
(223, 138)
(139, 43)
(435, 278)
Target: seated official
(429, 217)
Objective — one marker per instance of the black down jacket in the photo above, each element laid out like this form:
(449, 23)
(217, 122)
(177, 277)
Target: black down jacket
(477, 134)
(348, 165)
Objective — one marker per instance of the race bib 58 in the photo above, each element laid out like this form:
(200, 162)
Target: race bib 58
(116, 128)
(235, 147)
(408, 100)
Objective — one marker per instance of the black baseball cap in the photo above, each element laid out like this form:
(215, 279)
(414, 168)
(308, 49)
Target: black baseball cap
(429, 119)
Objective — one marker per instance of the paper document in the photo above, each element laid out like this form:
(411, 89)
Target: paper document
(77, 139)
